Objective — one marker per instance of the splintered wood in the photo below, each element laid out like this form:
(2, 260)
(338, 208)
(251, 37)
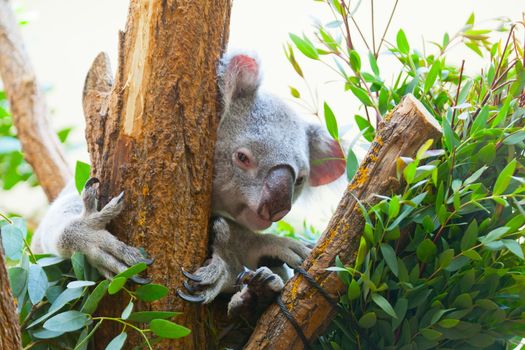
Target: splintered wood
(402, 133)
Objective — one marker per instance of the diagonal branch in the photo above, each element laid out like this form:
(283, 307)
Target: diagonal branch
(40, 145)
(401, 133)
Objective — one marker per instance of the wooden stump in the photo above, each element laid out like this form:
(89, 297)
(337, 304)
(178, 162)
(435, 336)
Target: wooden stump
(402, 133)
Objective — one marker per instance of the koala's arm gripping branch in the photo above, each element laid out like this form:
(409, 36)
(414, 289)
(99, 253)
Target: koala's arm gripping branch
(40, 145)
(402, 133)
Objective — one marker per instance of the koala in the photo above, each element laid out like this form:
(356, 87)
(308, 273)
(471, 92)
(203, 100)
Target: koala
(265, 155)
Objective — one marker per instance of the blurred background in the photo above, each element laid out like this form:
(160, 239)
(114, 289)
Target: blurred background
(63, 37)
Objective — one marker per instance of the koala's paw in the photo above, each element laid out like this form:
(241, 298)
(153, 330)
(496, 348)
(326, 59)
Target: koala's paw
(259, 290)
(292, 252)
(206, 283)
(87, 235)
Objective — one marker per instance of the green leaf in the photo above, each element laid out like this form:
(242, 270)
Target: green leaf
(82, 172)
(368, 320)
(503, 180)
(12, 241)
(127, 311)
(430, 334)
(305, 46)
(462, 301)
(355, 61)
(390, 257)
(502, 112)
(118, 342)
(354, 291)
(393, 207)
(470, 236)
(494, 235)
(79, 284)
(294, 92)
(426, 251)
(402, 42)
(448, 323)
(515, 138)
(365, 127)
(457, 263)
(148, 316)
(331, 122)
(65, 297)
(67, 321)
(17, 279)
(481, 120)
(151, 292)
(91, 303)
(373, 63)
(351, 164)
(445, 258)
(471, 19)
(116, 284)
(168, 329)
(474, 177)
(514, 247)
(78, 262)
(384, 304)
(361, 94)
(133, 270)
(36, 283)
(472, 254)
(432, 76)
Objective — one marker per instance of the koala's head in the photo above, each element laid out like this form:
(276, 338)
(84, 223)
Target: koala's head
(265, 154)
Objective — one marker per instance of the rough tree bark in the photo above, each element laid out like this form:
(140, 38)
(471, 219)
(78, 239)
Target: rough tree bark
(10, 329)
(151, 133)
(402, 133)
(28, 108)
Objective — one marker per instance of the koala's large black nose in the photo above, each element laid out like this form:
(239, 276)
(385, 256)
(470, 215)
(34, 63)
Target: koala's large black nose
(277, 193)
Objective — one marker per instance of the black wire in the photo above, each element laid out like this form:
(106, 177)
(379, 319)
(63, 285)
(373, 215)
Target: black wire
(317, 286)
(294, 323)
(292, 319)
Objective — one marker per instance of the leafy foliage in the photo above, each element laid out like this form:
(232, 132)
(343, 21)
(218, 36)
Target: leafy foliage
(57, 298)
(440, 265)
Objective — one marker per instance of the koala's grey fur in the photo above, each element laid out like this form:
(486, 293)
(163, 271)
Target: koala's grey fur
(275, 137)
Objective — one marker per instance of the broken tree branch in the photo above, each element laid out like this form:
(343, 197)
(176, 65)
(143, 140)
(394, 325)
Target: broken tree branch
(402, 133)
(40, 145)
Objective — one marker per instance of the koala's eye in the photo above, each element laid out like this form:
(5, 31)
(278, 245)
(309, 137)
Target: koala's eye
(299, 181)
(243, 158)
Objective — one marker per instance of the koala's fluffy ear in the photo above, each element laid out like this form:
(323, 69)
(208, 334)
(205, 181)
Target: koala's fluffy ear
(327, 161)
(239, 76)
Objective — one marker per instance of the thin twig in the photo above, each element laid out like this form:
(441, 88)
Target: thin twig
(373, 29)
(457, 93)
(386, 29)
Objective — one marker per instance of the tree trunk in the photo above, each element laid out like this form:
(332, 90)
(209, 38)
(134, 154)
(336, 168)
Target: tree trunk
(152, 133)
(10, 329)
(28, 108)
(403, 132)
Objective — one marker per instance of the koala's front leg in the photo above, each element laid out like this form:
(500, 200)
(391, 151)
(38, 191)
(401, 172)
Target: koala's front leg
(290, 251)
(87, 234)
(218, 275)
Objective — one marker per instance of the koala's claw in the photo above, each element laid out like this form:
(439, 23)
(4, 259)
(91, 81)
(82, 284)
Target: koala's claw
(259, 290)
(191, 276)
(140, 280)
(190, 288)
(91, 182)
(197, 299)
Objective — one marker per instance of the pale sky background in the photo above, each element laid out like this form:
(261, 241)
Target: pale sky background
(63, 37)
